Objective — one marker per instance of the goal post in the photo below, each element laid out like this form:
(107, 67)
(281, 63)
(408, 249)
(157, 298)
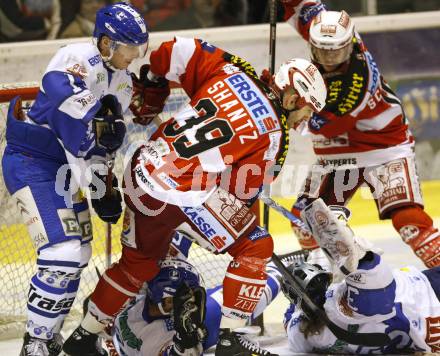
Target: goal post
(27, 91)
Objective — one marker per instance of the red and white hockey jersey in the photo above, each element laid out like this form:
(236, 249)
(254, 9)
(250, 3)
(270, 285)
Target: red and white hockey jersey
(363, 122)
(230, 133)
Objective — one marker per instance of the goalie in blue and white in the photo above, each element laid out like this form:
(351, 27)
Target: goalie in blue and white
(155, 323)
(364, 296)
(75, 124)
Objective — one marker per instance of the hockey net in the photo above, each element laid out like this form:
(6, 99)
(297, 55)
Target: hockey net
(17, 255)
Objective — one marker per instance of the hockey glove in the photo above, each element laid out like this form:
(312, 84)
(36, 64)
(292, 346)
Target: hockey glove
(149, 96)
(107, 205)
(108, 125)
(189, 306)
(266, 77)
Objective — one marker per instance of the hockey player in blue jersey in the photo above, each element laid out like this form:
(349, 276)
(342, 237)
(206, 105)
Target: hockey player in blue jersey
(150, 325)
(74, 124)
(369, 297)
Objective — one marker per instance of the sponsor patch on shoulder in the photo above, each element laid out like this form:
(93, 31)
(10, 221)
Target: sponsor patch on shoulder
(255, 102)
(78, 70)
(95, 60)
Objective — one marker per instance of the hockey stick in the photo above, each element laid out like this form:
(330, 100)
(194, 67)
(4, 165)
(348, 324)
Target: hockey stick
(110, 158)
(364, 339)
(272, 4)
(272, 42)
(272, 34)
(270, 203)
(99, 128)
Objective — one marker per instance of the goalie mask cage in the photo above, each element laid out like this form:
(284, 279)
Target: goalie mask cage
(17, 254)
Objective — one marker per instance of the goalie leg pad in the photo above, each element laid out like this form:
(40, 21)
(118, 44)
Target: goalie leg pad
(245, 278)
(416, 229)
(334, 237)
(121, 282)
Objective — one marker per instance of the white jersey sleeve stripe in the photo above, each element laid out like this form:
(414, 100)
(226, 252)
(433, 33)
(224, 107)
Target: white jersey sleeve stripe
(380, 121)
(183, 50)
(244, 279)
(117, 286)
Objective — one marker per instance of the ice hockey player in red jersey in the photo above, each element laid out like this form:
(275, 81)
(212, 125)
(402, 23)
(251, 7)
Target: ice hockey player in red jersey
(200, 171)
(361, 135)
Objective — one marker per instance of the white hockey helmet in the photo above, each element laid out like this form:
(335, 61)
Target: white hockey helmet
(305, 79)
(331, 37)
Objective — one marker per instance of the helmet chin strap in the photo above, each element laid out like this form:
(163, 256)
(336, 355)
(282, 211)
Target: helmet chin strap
(107, 59)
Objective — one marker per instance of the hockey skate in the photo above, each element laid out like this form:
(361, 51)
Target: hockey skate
(35, 346)
(83, 343)
(231, 343)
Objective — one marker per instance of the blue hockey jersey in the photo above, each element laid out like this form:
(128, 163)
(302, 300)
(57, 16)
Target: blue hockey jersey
(58, 126)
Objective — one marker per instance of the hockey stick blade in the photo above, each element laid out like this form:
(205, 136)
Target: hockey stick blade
(364, 339)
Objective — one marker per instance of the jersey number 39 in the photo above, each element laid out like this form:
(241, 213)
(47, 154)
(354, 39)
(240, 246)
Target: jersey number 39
(210, 131)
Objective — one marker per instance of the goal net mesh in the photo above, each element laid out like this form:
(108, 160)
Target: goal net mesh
(17, 255)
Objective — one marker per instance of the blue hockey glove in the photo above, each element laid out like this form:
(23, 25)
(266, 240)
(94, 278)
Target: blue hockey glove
(108, 206)
(108, 125)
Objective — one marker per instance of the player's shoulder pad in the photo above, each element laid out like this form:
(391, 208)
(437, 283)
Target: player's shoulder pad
(78, 59)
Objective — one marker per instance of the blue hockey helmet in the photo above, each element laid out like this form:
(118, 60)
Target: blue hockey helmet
(173, 272)
(122, 23)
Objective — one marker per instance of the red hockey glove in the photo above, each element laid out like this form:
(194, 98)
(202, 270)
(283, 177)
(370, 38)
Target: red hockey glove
(148, 96)
(426, 245)
(266, 77)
